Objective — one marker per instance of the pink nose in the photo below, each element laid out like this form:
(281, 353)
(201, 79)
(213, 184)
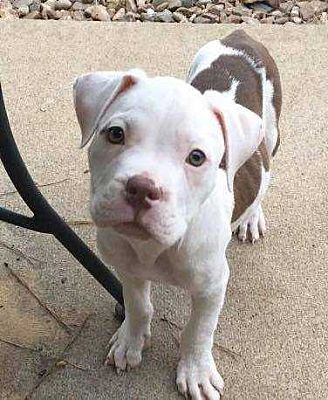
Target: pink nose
(141, 192)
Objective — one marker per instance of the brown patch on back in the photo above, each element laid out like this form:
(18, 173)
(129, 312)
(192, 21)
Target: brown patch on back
(219, 76)
(239, 40)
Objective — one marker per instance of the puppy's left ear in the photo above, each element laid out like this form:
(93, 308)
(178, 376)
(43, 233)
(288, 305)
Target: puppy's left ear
(95, 92)
(242, 132)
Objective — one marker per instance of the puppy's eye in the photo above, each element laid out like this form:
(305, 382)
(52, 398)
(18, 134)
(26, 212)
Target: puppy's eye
(115, 135)
(196, 158)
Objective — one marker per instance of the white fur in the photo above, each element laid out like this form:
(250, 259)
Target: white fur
(187, 232)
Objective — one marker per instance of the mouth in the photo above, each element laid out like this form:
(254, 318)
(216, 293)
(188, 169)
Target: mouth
(132, 229)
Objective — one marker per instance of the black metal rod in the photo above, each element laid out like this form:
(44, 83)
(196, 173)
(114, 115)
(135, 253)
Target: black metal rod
(45, 217)
(21, 220)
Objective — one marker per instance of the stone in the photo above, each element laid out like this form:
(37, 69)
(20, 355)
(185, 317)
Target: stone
(287, 6)
(149, 15)
(272, 3)
(164, 16)
(23, 10)
(203, 2)
(202, 20)
(156, 3)
(261, 7)
(308, 10)
(77, 6)
(187, 3)
(35, 6)
(50, 3)
(249, 20)
(141, 3)
(259, 14)
(44, 8)
(20, 3)
(111, 12)
(178, 17)
(295, 12)
(242, 11)
(277, 13)
(210, 16)
(324, 17)
(187, 12)
(97, 13)
(228, 8)
(131, 16)
(78, 15)
(7, 13)
(131, 6)
(119, 16)
(223, 17)
(174, 5)
(63, 5)
(233, 19)
(268, 20)
(281, 20)
(33, 15)
(216, 9)
(162, 6)
(297, 20)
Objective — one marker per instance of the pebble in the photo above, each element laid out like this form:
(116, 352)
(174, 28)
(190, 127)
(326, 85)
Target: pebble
(20, 3)
(131, 6)
(179, 17)
(324, 17)
(242, 11)
(119, 16)
(287, 6)
(164, 16)
(162, 6)
(250, 20)
(310, 9)
(77, 6)
(23, 10)
(97, 13)
(297, 20)
(268, 20)
(180, 11)
(233, 19)
(295, 11)
(174, 5)
(187, 12)
(281, 20)
(202, 20)
(33, 15)
(63, 5)
(78, 15)
(187, 3)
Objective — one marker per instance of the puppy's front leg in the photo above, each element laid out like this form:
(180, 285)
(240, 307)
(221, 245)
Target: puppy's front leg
(134, 333)
(197, 375)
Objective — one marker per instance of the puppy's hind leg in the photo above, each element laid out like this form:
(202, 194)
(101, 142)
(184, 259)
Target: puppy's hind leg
(134, 334)
(251, 224)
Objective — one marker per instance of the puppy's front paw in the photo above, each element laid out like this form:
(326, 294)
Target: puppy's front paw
(126, 347)
(198, 378)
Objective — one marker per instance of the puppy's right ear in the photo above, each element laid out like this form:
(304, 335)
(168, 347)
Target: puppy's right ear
(95, 92)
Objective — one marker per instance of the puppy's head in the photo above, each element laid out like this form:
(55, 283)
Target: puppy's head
(156, 149)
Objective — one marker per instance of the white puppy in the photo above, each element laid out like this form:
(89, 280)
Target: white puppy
(163, 161)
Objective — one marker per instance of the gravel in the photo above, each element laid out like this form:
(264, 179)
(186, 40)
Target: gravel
(245, 12)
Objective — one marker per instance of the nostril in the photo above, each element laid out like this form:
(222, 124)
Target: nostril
(154, 195)
(132, 190)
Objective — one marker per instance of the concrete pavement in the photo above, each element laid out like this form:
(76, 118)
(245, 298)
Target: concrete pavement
(272, 339)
